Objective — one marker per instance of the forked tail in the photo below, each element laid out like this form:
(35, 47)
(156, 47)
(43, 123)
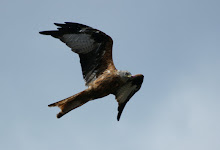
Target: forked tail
(71, 103)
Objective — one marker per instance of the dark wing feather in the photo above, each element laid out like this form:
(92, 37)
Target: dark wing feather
(93, 46)
(124, 94)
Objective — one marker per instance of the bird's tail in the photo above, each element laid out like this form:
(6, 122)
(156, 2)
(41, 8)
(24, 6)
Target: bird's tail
(71, 103)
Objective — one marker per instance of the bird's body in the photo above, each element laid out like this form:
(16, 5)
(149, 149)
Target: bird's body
(102, 78)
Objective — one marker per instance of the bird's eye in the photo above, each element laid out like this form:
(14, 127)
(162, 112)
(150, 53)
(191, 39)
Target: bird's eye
(128, 74)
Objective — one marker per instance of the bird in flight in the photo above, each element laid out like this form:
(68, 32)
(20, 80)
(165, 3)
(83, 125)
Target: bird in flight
(102, 78)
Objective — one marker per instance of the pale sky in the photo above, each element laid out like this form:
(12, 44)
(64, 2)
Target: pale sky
(175, 44)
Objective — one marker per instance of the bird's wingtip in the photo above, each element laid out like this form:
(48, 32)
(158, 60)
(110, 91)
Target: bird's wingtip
(118, 117)
(41, 32)
(45, 32)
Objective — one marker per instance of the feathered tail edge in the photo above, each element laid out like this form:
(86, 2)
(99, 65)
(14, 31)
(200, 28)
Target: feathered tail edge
(71, 102)
(61, 104)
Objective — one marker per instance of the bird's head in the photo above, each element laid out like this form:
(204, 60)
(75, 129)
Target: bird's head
(125, 76)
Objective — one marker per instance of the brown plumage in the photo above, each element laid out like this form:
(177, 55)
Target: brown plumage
(102, 78)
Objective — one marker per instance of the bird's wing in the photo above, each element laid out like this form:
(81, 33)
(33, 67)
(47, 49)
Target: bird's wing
(124, 93)
(93, 46)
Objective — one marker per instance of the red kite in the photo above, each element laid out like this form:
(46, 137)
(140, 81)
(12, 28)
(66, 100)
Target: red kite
(102, 78)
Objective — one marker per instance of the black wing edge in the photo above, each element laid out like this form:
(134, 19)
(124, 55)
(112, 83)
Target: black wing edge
(120, 110)
(68, 27)
(137, 80)
(122, 106)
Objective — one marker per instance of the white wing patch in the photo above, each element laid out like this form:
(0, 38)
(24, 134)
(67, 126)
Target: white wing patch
(124, 92)
(79, 43)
